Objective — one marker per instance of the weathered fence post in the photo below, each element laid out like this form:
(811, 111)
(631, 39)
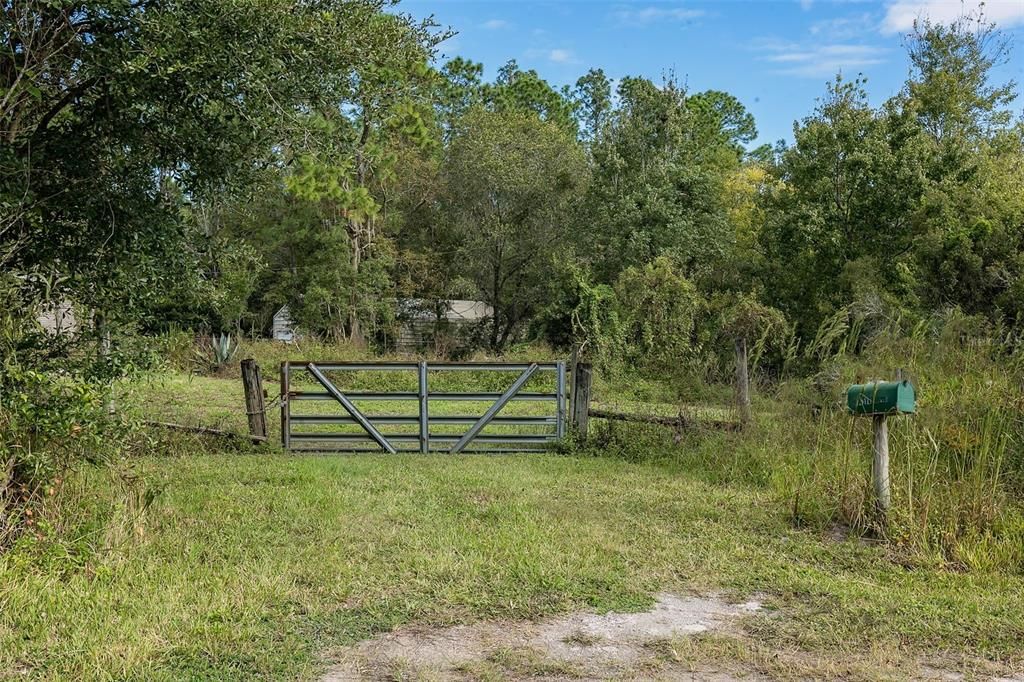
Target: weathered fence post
(581, 398)
(255, 409)
(742, 381)
(285, 397)
(880, 465)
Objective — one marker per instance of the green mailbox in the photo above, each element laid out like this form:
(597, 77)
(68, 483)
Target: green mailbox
(881, 397)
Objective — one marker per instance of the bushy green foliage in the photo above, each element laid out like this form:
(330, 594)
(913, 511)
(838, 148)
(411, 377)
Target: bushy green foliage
(597, 325)
(52, 410)
(659, 161)
(912, 200)
(659, 308)
(744, 317)
(152, 120)
(511, 178)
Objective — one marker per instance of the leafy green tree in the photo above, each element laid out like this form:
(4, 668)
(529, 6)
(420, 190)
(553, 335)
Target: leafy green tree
(460, 88)
(334, 181)
(950, 88)
(592, 100)
(427, 243)
(721, 122)
(118, 99)
(748, 322)
(658, 171)
(845, 192)
(525, 91)
(118, 118)
(136, 108)
(351, 166)
(969, 216)
(912, 203)
(511, 181)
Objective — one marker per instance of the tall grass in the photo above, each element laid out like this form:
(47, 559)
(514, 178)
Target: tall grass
(956, 467)
(178, 351)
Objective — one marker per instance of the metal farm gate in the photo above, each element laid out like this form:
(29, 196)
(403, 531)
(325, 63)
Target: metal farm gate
(430, 426)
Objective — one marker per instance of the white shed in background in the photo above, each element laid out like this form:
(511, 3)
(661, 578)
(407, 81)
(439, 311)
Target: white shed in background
(469, 311)
(58, 317)
(420, 319)
(282, 328)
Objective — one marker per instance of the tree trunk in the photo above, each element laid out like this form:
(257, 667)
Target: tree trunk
(495, 300)
(103, 328)
(360, 232)
(355, 331)
(511, 320)
(742, 382)
(495, 317)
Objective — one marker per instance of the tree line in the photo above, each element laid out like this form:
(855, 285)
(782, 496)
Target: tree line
(200, 163)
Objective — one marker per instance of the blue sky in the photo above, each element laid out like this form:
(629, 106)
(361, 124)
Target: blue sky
(775, 56)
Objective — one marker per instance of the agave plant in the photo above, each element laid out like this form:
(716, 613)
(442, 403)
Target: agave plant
(222, 348)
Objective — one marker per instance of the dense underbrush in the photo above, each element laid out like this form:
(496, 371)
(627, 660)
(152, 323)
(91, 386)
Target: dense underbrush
(957, 466)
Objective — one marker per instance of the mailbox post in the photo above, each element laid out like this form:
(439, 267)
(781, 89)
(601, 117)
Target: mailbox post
(879, 399)
(880, 464)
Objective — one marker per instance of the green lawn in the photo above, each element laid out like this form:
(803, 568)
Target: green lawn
(253, 564)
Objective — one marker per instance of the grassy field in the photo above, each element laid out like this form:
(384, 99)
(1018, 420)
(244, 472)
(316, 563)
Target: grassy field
(246, 563)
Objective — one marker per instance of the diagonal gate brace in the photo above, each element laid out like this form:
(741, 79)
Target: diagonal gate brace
(493, 409)
(351, 408)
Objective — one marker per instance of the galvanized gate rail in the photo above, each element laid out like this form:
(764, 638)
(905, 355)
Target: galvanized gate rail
(373, 439)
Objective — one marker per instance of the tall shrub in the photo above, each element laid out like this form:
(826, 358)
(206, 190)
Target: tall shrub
(659, 311)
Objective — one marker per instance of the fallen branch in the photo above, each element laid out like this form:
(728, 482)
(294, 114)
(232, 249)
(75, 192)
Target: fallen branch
(206, 431)
(679, 423)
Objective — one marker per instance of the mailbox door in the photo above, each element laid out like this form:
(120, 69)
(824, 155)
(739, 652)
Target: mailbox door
(906, 400)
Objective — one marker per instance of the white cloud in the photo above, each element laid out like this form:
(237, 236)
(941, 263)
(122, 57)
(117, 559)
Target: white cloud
(558, 55)
(648, 15)
(900, 15)
(844, 28)
(817, 61)
(494, 24)
(806, 4)
(561, 56)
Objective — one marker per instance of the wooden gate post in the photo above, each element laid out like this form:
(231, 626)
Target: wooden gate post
(285, 406)
(254, 406)
(581, 398)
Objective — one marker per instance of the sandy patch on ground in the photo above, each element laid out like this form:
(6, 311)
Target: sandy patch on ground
(577, 646)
